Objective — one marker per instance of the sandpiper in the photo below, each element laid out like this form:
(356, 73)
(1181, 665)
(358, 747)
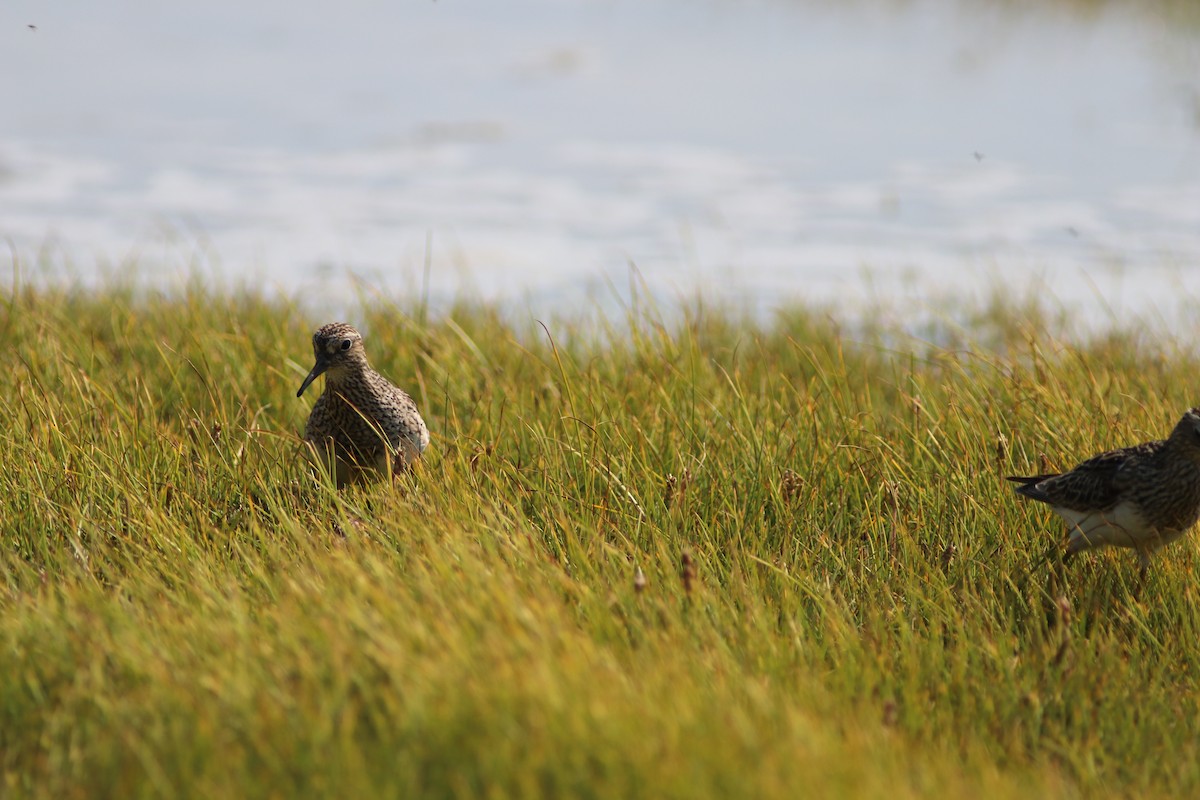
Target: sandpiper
(361, 424)
(1143, 497)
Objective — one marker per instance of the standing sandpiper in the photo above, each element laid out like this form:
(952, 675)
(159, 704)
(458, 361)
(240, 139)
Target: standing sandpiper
(1144, 496)
(361, 423)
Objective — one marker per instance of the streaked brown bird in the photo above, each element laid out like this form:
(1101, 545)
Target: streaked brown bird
(361, 425)
(1142, 497)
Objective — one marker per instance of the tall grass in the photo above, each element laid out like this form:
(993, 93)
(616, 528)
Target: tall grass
(711, 558)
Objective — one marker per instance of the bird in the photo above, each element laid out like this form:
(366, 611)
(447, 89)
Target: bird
(1142, 497)
(362, 425)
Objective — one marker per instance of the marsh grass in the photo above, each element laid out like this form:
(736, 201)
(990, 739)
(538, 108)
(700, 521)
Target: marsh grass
(709, 558)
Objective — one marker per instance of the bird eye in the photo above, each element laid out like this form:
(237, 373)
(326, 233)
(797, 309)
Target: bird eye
(346, 344)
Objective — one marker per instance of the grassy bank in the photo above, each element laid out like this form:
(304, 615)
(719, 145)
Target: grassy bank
(716, 558)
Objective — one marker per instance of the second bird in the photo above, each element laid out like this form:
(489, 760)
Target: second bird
(1142, 497)
(361, 424)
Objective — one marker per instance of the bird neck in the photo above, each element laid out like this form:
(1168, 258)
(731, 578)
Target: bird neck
(344, 373)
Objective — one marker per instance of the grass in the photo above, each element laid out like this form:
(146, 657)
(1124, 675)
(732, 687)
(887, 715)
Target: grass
(711, 558)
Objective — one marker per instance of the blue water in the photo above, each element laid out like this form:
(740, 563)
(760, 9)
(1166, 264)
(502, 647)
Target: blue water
(760, 151)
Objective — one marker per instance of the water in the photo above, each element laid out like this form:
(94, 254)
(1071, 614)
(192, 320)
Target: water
(765, 152)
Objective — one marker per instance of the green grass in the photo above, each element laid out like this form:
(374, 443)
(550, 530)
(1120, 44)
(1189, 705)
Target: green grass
(866, 611)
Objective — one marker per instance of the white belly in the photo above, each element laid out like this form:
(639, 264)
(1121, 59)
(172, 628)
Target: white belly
(1121, 526)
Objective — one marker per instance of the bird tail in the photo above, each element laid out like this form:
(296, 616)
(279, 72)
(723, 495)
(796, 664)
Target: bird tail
(1027, 480)
(1029, 485)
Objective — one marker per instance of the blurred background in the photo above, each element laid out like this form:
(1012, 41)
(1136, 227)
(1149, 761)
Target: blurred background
(539, 152)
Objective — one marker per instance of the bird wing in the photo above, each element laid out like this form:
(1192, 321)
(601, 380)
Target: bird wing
(1096, 484)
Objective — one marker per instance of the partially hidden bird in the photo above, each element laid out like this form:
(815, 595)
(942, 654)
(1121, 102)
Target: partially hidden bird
(1142, 497)
(362, 425)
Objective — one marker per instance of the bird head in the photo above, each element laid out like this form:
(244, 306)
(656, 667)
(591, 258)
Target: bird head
(337, 349)
(1187, 431)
